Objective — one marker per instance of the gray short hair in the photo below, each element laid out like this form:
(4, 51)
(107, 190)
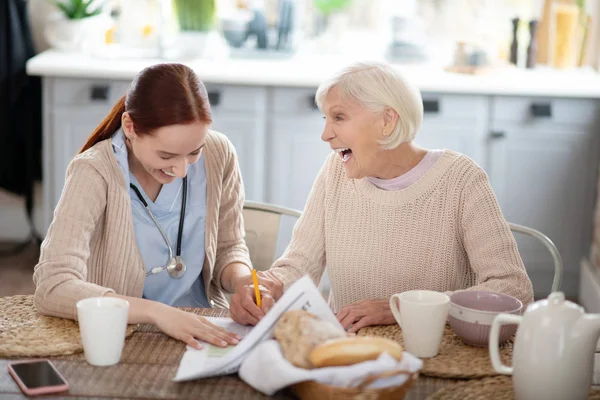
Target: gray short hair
(377, 85)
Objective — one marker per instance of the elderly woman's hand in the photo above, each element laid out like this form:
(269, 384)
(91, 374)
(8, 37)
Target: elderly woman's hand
(366, 313)
(269, 280)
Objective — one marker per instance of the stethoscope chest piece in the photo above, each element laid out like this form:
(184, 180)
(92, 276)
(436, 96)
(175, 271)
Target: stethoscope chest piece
(176, 267)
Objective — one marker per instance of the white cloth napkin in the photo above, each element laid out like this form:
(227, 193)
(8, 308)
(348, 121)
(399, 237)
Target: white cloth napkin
(266, 370)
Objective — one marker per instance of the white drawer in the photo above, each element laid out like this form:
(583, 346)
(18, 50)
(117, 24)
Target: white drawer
(436, 106)
(294, 101)
(543, 109)
(447, 107)
(237, 98)
(86, 92)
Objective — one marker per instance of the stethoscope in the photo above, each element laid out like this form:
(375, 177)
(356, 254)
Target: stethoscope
(175, 267)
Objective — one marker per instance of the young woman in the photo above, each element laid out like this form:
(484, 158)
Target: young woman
(151, 212)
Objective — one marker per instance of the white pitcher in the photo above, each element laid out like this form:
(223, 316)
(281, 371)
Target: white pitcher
(553, 354)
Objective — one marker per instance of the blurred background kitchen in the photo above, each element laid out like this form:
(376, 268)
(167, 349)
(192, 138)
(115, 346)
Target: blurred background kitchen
(425, 31)
(511, 83)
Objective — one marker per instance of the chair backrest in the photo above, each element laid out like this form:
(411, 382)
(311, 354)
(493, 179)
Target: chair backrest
(545, 240)
(262, 223)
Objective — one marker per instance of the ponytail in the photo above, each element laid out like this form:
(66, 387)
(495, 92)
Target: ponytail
(108, 126)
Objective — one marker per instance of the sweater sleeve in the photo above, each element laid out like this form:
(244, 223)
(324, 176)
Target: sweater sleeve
(231, 246)
(305, 253)
(61, 274)
(490, 245)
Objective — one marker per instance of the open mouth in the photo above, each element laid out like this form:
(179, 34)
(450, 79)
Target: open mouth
(167, 173)
(345, 153)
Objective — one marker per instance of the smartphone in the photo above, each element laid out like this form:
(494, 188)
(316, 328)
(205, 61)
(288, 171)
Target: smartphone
(37, 377)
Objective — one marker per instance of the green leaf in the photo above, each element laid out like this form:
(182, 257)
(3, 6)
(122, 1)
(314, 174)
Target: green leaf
(78, 9)
(65, 9)
(97, 11)
(327, 7)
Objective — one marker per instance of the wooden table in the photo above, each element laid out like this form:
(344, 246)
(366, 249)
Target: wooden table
(149, 362)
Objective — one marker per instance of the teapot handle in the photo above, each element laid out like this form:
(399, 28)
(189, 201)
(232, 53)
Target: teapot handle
(501, 319)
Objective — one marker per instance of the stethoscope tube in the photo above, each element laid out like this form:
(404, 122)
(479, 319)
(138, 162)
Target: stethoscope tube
(176, 267)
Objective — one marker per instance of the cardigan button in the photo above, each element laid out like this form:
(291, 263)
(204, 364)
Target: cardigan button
(212, 303)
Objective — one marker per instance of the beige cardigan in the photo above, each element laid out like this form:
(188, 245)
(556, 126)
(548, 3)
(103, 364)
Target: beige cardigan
(90, 248)
(445, 232)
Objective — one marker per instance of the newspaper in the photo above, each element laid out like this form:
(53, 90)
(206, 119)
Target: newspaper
(213, 361)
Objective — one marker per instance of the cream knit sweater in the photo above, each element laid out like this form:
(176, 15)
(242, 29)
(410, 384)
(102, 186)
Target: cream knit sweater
(445, 233)
(90, 248)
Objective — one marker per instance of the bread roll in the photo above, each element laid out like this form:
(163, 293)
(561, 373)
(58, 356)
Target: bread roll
(352, 350)
(299, 331)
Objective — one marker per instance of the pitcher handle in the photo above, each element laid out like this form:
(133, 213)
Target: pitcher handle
(501, 319)
(394, 308)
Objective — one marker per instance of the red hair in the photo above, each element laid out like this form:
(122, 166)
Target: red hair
(160, 95)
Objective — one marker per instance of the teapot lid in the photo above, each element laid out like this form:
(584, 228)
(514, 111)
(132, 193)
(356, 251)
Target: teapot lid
(554, 303)
(556, 298)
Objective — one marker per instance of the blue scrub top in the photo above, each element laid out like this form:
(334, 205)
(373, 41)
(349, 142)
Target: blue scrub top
(189, 290)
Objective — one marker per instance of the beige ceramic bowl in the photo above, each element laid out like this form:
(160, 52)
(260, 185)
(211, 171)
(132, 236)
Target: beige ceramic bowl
(472, 313)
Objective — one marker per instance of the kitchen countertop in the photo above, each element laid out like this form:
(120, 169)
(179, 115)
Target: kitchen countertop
(310, 71)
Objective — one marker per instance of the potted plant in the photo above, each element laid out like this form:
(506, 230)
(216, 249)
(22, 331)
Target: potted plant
(335, 23)
(196, 18)
(195, 15)
(75, 22)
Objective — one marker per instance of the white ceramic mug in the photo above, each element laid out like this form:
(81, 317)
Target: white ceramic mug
(422, 317)
(102, 325)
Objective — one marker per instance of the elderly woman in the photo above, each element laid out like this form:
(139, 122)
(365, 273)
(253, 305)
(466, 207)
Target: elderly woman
(386, 215)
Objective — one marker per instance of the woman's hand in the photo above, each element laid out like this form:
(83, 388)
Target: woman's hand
(269, 280)
(188, 327)
(365, 313)
(243, 308)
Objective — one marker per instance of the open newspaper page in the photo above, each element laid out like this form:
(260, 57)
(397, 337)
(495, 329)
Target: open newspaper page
(213, 361)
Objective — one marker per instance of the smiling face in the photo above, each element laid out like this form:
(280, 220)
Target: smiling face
(354, 132)
(166, 153)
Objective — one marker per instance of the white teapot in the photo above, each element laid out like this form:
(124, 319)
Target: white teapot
(553, 354)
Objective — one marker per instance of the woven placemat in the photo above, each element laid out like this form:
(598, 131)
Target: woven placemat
(496, 387)
(455, 359)
(26, 333)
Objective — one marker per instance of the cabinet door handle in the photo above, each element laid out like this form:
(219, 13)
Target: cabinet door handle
(497, 135)
(214, 98)
(541, 110)
(312, 102)
(99, 93)
(431, 106)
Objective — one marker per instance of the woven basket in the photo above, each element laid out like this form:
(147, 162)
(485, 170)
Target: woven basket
(312, 390)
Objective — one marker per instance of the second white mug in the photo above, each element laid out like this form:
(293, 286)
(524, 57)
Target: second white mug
(422, 317)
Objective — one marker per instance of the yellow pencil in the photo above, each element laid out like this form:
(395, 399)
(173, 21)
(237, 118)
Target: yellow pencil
(256, 290)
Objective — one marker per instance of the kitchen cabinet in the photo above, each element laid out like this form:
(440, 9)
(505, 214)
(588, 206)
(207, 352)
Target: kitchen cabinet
(240, 114)
(74, 125)
(297, 155)
(456, 122)
(73, 108)
(247, 136)
(541, 157)
(297, 152)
